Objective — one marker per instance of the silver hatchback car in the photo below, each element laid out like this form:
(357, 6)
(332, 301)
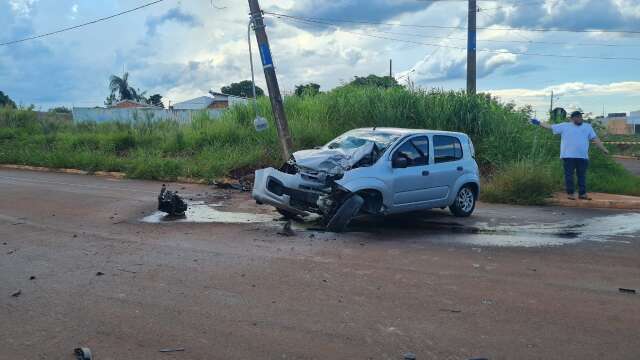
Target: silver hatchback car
(375, 171)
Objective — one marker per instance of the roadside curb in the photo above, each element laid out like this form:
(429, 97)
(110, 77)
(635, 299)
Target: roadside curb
(107, 174)
(599, 201)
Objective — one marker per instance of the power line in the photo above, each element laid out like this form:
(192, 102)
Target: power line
(452, 27)
(482, 50)
(516, 4)
(526, 41)
(80, 25)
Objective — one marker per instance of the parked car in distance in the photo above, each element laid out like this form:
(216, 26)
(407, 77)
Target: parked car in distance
(375, 171)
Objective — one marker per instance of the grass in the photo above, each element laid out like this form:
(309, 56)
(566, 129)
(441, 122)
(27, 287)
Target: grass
(506, 146)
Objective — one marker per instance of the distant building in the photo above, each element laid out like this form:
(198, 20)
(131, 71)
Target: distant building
(617, 124)
(215, 101)
(129, 104)
(634, 121)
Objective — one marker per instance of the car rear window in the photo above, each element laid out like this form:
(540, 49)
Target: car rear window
(446, 148)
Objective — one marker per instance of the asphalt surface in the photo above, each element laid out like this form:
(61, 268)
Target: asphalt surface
(507, 283)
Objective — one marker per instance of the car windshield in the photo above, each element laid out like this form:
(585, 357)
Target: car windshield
(356, 139)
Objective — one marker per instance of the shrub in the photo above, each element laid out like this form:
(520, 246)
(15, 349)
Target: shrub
(523, 183)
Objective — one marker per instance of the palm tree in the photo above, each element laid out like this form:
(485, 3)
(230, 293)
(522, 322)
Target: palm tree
(121, 86)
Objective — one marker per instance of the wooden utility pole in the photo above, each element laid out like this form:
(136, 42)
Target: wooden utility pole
(277, 104)
(471, 48)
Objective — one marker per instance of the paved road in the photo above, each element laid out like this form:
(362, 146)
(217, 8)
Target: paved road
(444, 288)
(632, 165)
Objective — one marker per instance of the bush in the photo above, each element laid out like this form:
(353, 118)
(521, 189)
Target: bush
(522, 183)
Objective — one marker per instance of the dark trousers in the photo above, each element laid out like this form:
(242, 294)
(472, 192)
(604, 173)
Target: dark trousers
(579, 166)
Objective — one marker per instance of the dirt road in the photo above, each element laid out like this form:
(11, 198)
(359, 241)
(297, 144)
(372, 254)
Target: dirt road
(508, 283)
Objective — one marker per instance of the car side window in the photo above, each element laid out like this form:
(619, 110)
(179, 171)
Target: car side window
(446, 148)
(415, 150)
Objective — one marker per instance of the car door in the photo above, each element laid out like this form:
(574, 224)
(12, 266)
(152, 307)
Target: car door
(410, 182)
(447, 165)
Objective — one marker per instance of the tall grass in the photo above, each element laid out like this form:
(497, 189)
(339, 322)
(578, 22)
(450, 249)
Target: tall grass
(209, 148)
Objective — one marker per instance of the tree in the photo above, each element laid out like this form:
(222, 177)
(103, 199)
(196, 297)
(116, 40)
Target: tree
(121, 90)
(243, 89)
(5, 101)
(310, 89)
(156, 100)
(375, 80)
(60, 110)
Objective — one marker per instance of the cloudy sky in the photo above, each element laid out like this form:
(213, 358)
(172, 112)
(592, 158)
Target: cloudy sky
(183, 48)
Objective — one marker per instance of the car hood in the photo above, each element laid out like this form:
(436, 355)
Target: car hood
(332, 161)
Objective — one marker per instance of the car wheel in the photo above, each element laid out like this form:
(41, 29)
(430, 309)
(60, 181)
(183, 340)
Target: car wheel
(346, 211)
(465, 202)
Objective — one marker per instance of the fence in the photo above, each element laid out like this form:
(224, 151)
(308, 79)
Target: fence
(100, 115)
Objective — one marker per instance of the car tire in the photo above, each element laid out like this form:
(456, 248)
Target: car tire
(464, 203)
(346, 211)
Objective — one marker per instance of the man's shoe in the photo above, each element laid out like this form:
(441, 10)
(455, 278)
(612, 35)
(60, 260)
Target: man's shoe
(571, 196)
(584, 197)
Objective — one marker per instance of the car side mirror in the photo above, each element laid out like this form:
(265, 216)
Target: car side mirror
(399, 162)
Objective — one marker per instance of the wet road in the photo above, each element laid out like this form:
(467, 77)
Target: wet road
(510, 282)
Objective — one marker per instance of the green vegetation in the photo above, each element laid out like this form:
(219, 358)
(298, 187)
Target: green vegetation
(243, 88)
(520, 161)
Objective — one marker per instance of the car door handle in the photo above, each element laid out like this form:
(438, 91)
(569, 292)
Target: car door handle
(425, 173)
(460, 168)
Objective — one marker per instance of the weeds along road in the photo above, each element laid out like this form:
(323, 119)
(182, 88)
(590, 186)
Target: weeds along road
(510, 282)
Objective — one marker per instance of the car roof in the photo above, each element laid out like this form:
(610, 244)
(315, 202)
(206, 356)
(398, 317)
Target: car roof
(404, 131)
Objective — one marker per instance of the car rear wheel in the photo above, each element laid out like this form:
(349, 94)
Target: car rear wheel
(346, 211)
(465, 202)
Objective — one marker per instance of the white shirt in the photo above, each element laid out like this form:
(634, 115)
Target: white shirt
(575, 139)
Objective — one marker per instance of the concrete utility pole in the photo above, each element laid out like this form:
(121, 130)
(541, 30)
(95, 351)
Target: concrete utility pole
(471, 48)
(390, 68)
(551, 107)
(272, 81)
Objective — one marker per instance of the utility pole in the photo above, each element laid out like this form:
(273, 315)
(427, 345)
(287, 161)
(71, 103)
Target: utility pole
(277, 104)
(391, 68)
(551, 107)
(471, 48)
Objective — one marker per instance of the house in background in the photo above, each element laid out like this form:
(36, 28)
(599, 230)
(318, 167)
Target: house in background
(215, 101)
(130, 104)
(616, 124)
(634, 121)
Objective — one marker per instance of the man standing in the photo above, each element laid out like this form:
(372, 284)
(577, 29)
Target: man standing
(574, 151)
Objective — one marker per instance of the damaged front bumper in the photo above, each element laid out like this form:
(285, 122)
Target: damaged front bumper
(298, 193)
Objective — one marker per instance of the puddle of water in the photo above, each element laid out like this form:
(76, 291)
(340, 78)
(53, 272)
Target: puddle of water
(199, 212)
(605, 228)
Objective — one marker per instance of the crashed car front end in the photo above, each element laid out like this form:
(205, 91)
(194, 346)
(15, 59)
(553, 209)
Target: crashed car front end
(309, 181)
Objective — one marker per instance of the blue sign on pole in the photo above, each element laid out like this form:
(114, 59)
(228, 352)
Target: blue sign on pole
(265, 55)
(471, 43)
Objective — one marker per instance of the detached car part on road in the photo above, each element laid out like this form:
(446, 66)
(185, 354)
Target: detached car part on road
(375, 171)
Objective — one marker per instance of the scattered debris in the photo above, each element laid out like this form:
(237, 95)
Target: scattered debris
(170, 350)
(286, 229)
(10, 252)
(75, 235)
(488, 301)
(409, 356)
(99, 273)
(476, 266)
(627, 291)
(171, 203)
(82, 353)
(228, 183)
(16, 293)
(32, 277)
(532, 269)
(454, 311)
